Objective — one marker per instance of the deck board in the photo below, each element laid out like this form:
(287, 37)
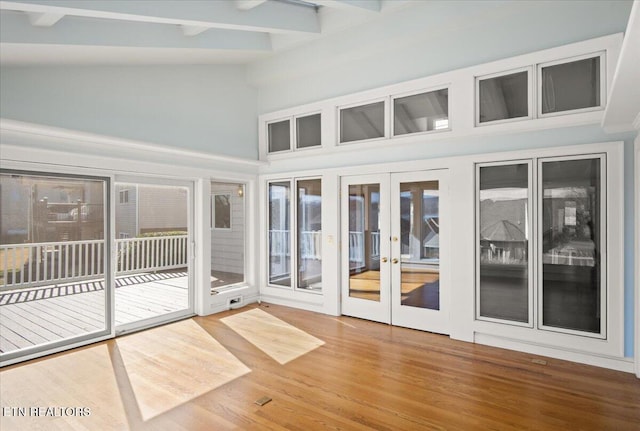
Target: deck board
(56, 315)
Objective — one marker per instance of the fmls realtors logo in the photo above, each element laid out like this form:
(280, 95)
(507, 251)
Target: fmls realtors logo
(45, 411)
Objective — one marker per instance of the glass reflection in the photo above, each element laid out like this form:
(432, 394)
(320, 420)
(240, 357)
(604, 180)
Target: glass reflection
(421, 112)
(504, 242)
(571, 236)
(503, 97)
(362, 122)
(420, 244)
(279, 234)
(364, 241)
(309, 234)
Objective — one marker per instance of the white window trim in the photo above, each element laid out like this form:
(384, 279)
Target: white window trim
(393, 97)
(604, 287)
(462, 100)
(530, 101)
(385, 124)
(294, 136)
(531, 282)
(268, 141)
(613, 345)
(603, 84)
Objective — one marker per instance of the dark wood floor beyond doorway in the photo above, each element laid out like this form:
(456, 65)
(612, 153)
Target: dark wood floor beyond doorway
(341, 374)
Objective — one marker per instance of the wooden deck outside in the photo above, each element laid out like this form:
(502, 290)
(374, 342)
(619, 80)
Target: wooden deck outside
(30, 317)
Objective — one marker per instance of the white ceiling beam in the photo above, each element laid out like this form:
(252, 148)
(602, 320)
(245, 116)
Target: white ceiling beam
(271, 17)
(192, 30)
(366, 5)
(15, 29)
(44, 19)
(248, 4)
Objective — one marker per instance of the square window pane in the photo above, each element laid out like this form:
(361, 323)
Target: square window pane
(421, 112)
(279, 136)
(308, 131)
(362, 122)
(569, 86)
(572, 245)
(503, 97)
(503, 202)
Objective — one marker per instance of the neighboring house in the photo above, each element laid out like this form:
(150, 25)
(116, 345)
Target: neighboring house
(143, 209)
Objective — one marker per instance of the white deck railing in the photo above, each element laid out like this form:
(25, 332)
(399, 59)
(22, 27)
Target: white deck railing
(357, 247)
(40, 264)
(151, 254)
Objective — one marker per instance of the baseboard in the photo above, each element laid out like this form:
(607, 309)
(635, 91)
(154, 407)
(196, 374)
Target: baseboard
(619, 364)
(302, 305)
(246, 299)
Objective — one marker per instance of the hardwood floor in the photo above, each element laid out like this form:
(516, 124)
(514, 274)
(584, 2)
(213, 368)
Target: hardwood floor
(366, 376)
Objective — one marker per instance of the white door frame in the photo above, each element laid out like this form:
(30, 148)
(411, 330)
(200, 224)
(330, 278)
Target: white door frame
(424, 319)
(176, 315)
(379, 311)
(389, 309)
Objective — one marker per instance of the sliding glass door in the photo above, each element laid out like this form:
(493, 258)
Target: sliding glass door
(54, 262)
(153, 252)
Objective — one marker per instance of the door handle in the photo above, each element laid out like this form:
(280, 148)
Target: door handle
(384, 260)
(394, 260)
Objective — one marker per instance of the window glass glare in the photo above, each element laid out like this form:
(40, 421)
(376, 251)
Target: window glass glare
(569, 86)
(503, 97)
(309, 230)
(571, 245)
(279, 136)
(503, 230)
(362, 122)
(421, 112)
(308, 131)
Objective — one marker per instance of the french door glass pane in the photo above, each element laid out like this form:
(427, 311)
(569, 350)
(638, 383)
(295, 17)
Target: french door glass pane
(573, 85)
(504, 97)
(152, 268)
(364, 241)
(421, 112)
(227, 234)
(279, 236)
(309, 230)
(53, 259)
(420, 244)
(308, 131)
(571, 244)
(362, 122)
(279, 136)
(504, 242)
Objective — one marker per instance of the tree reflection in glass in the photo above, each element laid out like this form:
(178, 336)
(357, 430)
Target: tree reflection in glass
(571, 239)
(504, 242)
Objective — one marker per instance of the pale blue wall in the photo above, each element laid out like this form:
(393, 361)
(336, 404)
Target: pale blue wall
(436, 37)
(429, 38)
(204, 108)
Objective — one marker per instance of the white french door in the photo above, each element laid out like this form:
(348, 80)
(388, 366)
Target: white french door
(395, 252)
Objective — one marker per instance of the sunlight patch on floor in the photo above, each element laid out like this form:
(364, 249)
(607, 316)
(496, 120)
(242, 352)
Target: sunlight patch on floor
(278, 339)
(80, 387)
(173, 364)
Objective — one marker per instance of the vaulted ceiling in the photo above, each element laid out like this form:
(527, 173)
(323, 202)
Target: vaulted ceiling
(171, 32)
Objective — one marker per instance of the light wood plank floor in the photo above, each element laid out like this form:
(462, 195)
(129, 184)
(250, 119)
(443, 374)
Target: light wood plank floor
(367, 376)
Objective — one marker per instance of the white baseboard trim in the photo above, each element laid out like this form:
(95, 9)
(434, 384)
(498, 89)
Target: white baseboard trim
(287, 302)
(613, 363)
(246, 300)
